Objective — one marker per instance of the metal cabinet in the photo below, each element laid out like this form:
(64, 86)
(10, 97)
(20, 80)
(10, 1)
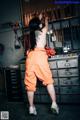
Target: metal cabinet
(53, 64)
(69, 81)
(67, 63)
(13, 84)
(65, 72)
(68, 72)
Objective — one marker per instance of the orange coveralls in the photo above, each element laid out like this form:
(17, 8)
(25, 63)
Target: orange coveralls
(37, 66)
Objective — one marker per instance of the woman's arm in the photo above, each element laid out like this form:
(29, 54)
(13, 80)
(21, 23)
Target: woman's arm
(46, 23)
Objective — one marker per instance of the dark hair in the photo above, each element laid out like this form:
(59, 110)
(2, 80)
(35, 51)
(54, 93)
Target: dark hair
(34, 25)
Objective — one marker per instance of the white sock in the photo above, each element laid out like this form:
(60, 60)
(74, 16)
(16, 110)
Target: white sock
(54, 103)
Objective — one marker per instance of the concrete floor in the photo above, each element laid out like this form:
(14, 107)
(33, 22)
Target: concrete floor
(19, 111)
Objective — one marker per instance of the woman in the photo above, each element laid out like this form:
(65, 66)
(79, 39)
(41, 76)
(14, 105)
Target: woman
(37, 65)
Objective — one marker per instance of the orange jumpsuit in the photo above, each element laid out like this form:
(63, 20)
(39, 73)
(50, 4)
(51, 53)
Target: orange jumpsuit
(37, 66)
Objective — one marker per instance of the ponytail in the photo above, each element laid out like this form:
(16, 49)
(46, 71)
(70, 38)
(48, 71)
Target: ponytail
(32, 40)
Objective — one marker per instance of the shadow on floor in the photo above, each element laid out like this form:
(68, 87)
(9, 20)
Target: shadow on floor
(19, 111)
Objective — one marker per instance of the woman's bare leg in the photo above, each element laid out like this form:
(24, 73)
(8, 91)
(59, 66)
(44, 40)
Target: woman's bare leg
(51, 92)
(30, 97)
(32, 109)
